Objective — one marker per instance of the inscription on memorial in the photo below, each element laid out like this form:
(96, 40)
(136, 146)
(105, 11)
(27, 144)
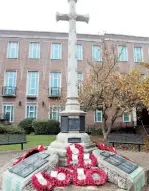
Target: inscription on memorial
(74, 140)
(74, 124)
(64, 124)
(30, 164)
(120, 162)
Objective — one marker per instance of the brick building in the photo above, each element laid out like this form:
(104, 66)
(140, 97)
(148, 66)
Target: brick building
(33, 68)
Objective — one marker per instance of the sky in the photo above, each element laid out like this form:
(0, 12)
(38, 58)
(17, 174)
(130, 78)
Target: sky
(129, 17)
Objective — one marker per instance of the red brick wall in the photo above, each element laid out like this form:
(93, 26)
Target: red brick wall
(45, 65)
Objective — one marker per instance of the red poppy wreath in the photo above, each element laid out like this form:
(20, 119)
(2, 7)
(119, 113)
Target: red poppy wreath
(42, 181)
(29, 153)
(75, 154)
(80, 177)
(104, 147)
(89, 160)
(62, 176)
(96, 176)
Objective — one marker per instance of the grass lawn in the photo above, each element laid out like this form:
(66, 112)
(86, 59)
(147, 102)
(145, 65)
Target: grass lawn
(33, 141)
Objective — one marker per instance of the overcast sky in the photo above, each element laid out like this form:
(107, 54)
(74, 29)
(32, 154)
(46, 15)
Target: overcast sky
(128, 17)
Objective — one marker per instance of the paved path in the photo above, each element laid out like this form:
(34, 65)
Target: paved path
(140, 158)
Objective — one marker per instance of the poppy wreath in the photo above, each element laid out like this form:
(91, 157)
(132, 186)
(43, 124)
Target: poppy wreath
(63, 177)
(77, 151)
(80, 177)
(96, 176)
(104, 147)
(92, 159)
(29, 153)
(42, 181)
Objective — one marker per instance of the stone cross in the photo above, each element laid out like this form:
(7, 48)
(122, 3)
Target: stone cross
(72, 81)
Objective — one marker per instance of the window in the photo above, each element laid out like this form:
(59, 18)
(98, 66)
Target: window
(8, 112)
(34, 50)
(55, 83)
(56, 51)
(98, 116)
(10, 79)
(54, 113)
(123, 53)
(138, 56)
(13, 50)
(32, 83)
(10, 83)
(80, 79)
(31, 110)
(126, 117)
(96, 53)
(79, 52)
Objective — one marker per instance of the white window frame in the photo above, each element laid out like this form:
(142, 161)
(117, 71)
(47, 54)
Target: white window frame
(134, 53)
(37, 91)
(9, 55)
(94, 57)
(6, 84)
(15, 79)
(80, 81)
(129, 117)
(58, 110)
(31, 50)
(96, 116)
(60, 81)
(79, 52)
(31, 105)
(10, 105)
(60, 51)
(123, 58)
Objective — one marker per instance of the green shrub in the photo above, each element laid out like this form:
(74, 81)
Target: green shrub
(46, 127)
(97, 132)
(2, 130)
(26, 124)
(10, 129)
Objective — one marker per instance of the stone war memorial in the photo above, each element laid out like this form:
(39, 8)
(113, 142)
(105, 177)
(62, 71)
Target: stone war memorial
(73, 159)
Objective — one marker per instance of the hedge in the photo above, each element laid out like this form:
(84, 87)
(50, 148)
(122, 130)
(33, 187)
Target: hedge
(10, 129)
(26, 124)
(46, 127)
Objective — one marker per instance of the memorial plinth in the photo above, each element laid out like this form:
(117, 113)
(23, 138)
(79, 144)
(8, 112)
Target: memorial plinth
(121, 171)
(72, 118)
(18, 177)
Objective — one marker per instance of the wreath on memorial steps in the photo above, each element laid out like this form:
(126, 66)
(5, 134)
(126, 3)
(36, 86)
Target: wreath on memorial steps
(90, 162)
(62, 176)
(29, 153)
(42, 181)
(76, 158)
(80, 177)
(75, 154)
(92, 177)
(104, 147)
(96, 176)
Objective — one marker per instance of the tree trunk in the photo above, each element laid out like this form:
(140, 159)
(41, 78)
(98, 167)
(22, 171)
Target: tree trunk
(105, 137)
(103, 126)
(107, 133)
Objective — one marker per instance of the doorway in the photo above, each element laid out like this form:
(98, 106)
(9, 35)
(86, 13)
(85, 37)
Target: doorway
(143, 117)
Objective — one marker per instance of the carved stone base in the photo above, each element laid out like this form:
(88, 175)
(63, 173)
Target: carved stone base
(131, 181)
(62, 141)
(12, 181)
